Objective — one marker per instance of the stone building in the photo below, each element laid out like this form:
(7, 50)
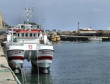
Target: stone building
(3, 24)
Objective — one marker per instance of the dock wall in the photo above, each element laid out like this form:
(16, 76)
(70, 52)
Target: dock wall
(7, 76)
(74, 38)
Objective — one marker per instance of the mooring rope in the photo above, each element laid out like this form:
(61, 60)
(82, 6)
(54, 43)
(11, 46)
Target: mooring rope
(38, 69)
(25, 76)
(23, 79)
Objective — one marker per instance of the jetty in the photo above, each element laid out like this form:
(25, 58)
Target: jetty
(74, 38)
(7, 76)
(84, 38)
(83, 35)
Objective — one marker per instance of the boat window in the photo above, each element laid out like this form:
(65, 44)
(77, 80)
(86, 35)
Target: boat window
(30, 34)
(22, 26)
(14, 34)
(26, 35)
(22, 34)
(18, 35)
(34, 34)
(38, 34)
(38, 26)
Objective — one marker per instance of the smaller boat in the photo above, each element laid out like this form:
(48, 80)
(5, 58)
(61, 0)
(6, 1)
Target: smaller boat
(53, 38)
(58, 38)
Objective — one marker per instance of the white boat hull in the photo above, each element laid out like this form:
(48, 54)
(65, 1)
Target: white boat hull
(43, 60)
(15, 58)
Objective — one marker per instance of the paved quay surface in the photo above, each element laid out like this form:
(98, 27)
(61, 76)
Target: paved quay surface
(6, 76)
(2, 37)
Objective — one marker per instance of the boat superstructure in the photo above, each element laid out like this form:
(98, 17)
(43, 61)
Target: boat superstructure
(27, 41)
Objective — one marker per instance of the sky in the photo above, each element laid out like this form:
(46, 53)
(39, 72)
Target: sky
(59, 14)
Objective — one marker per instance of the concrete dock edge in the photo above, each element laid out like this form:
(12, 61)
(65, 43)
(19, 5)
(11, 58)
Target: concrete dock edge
(7, 76)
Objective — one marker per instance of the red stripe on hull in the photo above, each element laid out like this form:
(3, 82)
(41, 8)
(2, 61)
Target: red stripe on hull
(16, 58)
(45, 57)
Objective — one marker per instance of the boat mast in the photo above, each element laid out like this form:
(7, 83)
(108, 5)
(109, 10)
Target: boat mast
(28, 14)
(78, 27)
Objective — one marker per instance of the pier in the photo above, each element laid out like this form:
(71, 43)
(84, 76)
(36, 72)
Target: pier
(84, 38)
(7, 76)
(74, 38)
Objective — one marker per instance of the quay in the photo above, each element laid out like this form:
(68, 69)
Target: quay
(83, 38)
(7, 76)
(83, 35)
(73, 38)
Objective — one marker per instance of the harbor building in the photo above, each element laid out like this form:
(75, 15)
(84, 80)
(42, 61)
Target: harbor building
(3, 24)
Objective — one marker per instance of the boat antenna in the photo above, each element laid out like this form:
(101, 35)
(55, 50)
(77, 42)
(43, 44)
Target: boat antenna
(78, 25)
(28, 14)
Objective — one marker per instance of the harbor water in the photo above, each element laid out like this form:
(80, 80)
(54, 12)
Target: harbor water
(74, 63)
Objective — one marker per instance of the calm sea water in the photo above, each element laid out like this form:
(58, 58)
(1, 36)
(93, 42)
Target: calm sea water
(75, 63)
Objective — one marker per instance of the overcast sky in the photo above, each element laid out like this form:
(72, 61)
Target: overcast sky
(59, 14)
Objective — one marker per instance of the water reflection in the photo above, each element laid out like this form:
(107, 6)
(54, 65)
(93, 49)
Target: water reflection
(31, 76)
(75, 63)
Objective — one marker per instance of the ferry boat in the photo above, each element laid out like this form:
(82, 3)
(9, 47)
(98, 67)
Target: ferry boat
(29, 38)
(28, 41)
